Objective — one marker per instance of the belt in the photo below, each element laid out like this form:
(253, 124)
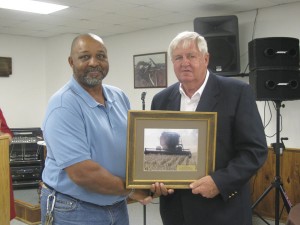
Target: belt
(45, 185)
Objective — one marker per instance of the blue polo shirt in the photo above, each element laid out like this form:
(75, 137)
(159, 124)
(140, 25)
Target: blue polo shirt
(77, 128)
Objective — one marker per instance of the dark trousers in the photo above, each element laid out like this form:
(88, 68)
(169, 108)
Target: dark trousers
(185, 208)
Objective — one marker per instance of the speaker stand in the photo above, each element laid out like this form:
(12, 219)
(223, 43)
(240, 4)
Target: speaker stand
(277, 184)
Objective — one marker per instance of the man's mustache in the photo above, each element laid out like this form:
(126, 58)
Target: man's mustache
(94, 69)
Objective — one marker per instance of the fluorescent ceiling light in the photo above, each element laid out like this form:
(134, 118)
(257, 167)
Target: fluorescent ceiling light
(31, 6)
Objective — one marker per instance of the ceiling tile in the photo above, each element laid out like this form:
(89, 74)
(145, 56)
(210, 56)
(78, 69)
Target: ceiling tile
(111, 17)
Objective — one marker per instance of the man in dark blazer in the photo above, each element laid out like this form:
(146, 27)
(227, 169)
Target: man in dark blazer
(222, 197)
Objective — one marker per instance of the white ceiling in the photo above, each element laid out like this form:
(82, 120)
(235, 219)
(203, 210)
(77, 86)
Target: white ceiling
(111, 17)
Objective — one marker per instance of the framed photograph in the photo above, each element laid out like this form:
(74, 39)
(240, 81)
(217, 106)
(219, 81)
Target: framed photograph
(150, 70)
(171, 147)
(5, 66)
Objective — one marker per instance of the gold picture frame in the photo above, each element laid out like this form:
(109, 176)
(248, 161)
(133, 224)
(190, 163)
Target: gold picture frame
(171, 147)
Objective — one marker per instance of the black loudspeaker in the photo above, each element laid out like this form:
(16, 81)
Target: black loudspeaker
(271, 85)
(222, 36)
(274, 53)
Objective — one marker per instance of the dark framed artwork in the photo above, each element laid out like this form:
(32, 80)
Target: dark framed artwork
(5, 66)
(150, 70)
(172, 147)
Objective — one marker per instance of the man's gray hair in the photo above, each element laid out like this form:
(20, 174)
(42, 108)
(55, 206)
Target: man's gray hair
(186, 38)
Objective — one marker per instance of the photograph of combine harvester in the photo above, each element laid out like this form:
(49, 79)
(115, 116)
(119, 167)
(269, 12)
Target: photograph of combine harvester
(169, 153)
(171, 147)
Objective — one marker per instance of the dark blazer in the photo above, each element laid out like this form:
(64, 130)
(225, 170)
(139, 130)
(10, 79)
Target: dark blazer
(241, 150)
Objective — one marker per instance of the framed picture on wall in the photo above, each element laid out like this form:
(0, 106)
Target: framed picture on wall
(5, 66)
(150, 70)
(171, 147)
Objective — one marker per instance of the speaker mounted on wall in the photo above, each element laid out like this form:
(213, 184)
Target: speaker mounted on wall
(274, 68)
(222, 36)
(274, 53)
(272, 85)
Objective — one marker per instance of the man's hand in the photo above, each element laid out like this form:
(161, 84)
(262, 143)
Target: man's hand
(159, 189)
(205, 187)
(141, 196)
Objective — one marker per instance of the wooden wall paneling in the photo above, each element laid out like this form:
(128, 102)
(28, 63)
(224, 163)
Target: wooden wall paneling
(260, 182)
(291, 174)
(290, 177)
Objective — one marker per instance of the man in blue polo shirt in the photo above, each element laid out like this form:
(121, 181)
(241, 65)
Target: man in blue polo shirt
(85, 132)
